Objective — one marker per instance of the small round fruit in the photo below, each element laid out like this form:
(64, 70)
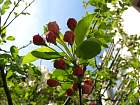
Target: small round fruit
(53, 26)
(69, 92)
(92, 103)
(38, 40)
(75, 86)
(78, 71)
(71, 23)
(52, 82)
(60, 64)
(69, 37)
(51, 37)
(87, 89)
(88, 82)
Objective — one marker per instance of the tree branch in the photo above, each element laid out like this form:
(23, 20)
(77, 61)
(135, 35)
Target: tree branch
(80, 93)
(17, 15)
(11, 12)
(6, 89)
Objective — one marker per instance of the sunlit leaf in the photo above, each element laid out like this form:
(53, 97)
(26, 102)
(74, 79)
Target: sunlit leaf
(1, 1)
(14, 51)
(5, 6)
(30, 58)
(88, 49)
(10, 38)
(46, 55)
(82, 28)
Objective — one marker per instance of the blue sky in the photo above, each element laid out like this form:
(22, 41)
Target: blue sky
(60, 11)
(42, 12)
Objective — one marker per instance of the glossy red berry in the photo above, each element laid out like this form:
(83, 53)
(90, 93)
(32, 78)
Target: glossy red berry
(75, 86)
(92, 103)
(38, 40)
(78, 71)
(52, 82)
(88, 82)
(71, 23)
(60, 64)
(53, 26)
(51, 37)
(69, 37)
(87, 89)
(69, 92)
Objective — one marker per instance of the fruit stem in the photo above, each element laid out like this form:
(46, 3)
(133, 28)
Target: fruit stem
(63, 51)
(80, 93)
(65, 47)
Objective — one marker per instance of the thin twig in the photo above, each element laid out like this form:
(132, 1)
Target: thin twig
(25, 45)
(80, 93)
(11, 12)
(17, 15)
(4, 50)
(18, 49)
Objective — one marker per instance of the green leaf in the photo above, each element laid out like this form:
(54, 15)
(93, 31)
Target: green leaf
(82, 28)
(16, 14)
(5, 6)
(88, 49)
(10, 38)
(46, 55)
(92, 2)
(1, 1)
(14, 51)
(25, 13)
(9, 74)
(59, 74)
(66, 86)
(30, 58)
(5, 56)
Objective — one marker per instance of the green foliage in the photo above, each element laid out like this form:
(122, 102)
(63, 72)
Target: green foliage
(37, 53)
(14, 51)
(1, 1)
(82, 28)
(5, 6)
(46, 55)
(88, 49)
(10, 38)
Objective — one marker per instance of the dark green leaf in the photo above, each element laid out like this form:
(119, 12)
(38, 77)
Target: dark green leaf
(10, 38)
(5, 56)
(59, 74)
(14, 51)
(30, 58)
(82, 28)
(88, 49)
(9, 74)
(1, 1)
(46, 55)
(5, 6)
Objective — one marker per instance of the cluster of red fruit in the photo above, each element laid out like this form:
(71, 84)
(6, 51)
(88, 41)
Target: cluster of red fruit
(78, 71)
(53, 33)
